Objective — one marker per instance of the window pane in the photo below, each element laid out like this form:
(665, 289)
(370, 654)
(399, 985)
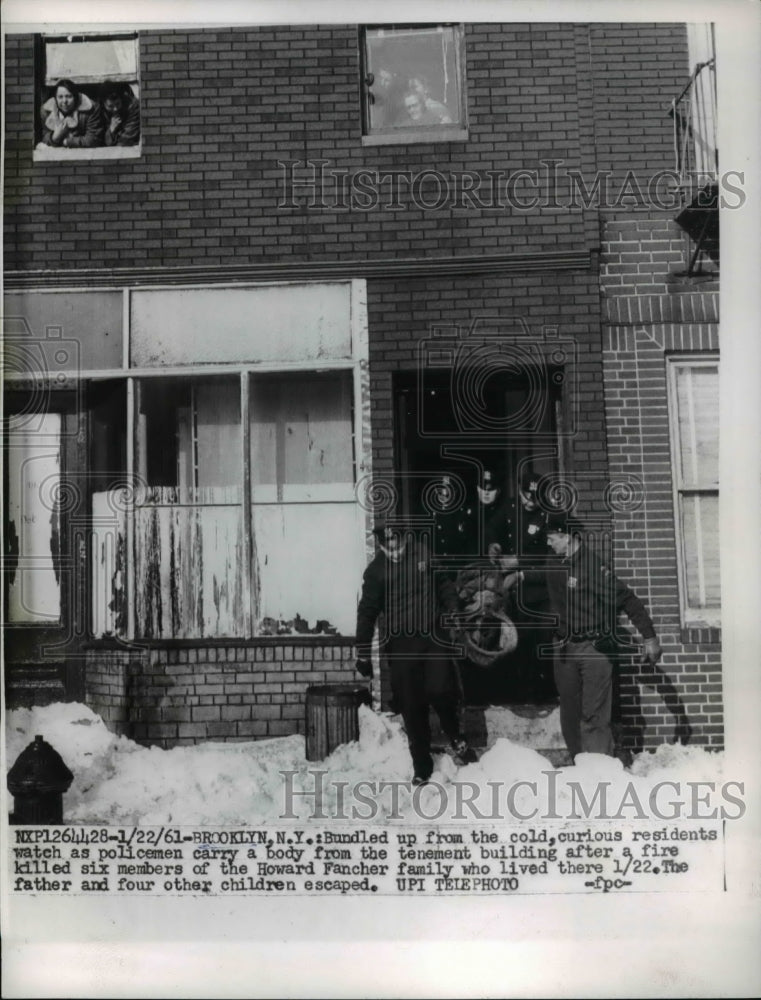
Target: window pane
(91, 61)
(189, 432)
(301, 437)
(412, 77)
(107, 478)
(32, 529)
(698, 425)
(171, 326)
(309, 563)
(700, 527)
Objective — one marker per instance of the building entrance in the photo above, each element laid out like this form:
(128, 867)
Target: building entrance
(460, 479)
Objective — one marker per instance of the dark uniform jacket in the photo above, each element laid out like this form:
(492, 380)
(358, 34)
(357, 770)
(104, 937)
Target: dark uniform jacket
(521, 533)
(586, 597)
(409, 594)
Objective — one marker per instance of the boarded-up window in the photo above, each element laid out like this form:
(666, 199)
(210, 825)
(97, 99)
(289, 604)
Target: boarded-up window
(203, 568)
(190, 568)
(190, 432)
(694, 399)
(305, 519)
(301, 438)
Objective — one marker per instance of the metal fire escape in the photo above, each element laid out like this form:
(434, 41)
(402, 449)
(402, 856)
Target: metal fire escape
(697, 164)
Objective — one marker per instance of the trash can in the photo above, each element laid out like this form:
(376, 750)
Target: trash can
(332, 717)
(37, 782)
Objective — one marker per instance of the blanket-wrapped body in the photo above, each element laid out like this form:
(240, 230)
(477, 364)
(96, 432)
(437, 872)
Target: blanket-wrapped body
(488, 631)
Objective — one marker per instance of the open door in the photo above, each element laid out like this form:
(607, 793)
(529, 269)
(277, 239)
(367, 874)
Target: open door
(431, 446)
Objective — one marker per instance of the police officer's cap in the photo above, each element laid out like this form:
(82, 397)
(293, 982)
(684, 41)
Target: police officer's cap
(563, 523)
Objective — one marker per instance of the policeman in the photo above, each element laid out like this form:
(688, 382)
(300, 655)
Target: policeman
(515, 537)
(586, 597)
(399, 582)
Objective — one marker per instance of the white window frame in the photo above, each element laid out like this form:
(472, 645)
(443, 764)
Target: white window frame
(356, 365)
(43, 153)
(457, 131)
(691, 616)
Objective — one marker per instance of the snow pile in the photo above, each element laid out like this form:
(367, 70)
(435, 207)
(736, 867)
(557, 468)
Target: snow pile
(120, 782)
(660, 764)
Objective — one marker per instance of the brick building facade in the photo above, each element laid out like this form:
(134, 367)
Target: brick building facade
(272, 238)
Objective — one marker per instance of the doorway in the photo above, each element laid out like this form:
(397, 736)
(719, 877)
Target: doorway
(433, 446)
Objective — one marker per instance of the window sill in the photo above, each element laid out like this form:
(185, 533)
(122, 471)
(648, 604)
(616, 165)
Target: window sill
(139, 645)
(704, 635)
(58, 154)
(408, 136)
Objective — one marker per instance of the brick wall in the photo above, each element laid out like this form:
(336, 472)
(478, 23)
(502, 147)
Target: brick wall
(642, 273)
(637, 70)
(187, 695)
(587, 97)
(221, 107)
(649, 313)
(107, 686)
(402, 314)
(649, 308)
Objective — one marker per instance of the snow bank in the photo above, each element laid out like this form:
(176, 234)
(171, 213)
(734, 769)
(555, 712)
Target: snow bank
(120, 782)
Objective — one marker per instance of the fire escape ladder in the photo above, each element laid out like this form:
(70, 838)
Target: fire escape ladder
(697, 164)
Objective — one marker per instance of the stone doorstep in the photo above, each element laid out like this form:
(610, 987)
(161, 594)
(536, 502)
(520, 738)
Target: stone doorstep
(534, 726)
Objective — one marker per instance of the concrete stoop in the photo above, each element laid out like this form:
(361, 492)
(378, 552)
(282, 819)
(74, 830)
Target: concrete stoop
(534, 726)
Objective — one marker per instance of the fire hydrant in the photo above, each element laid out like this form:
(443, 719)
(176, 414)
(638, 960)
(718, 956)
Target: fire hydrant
(37, 782)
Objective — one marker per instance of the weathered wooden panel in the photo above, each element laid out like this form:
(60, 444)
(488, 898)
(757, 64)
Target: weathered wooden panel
(189, 572)
(301, 437)
(35, 496)
(108, 550)
(63, 331)
(299, 322)
(310, 559)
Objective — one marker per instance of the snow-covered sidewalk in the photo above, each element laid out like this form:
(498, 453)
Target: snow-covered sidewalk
(119, 782)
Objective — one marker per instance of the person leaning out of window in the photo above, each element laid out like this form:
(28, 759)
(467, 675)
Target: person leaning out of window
(71, 119)
(122, 115)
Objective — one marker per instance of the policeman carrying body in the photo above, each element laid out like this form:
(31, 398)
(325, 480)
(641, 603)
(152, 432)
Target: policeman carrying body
(585, 597)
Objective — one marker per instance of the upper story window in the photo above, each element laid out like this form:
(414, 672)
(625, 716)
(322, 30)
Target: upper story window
(87, 97)
(413, 84)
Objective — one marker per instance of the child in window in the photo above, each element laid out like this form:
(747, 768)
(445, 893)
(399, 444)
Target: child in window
(122, 114)
(71, 119)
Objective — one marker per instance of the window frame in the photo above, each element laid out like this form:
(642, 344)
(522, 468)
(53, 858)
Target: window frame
(46, 154)
(396, 135)
(691, 616)
(353, 365)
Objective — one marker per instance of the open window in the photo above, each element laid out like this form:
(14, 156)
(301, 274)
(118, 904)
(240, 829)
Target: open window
(87, 98)
(413, 84)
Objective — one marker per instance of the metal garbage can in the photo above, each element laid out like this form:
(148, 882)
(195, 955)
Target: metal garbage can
(332, 717)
